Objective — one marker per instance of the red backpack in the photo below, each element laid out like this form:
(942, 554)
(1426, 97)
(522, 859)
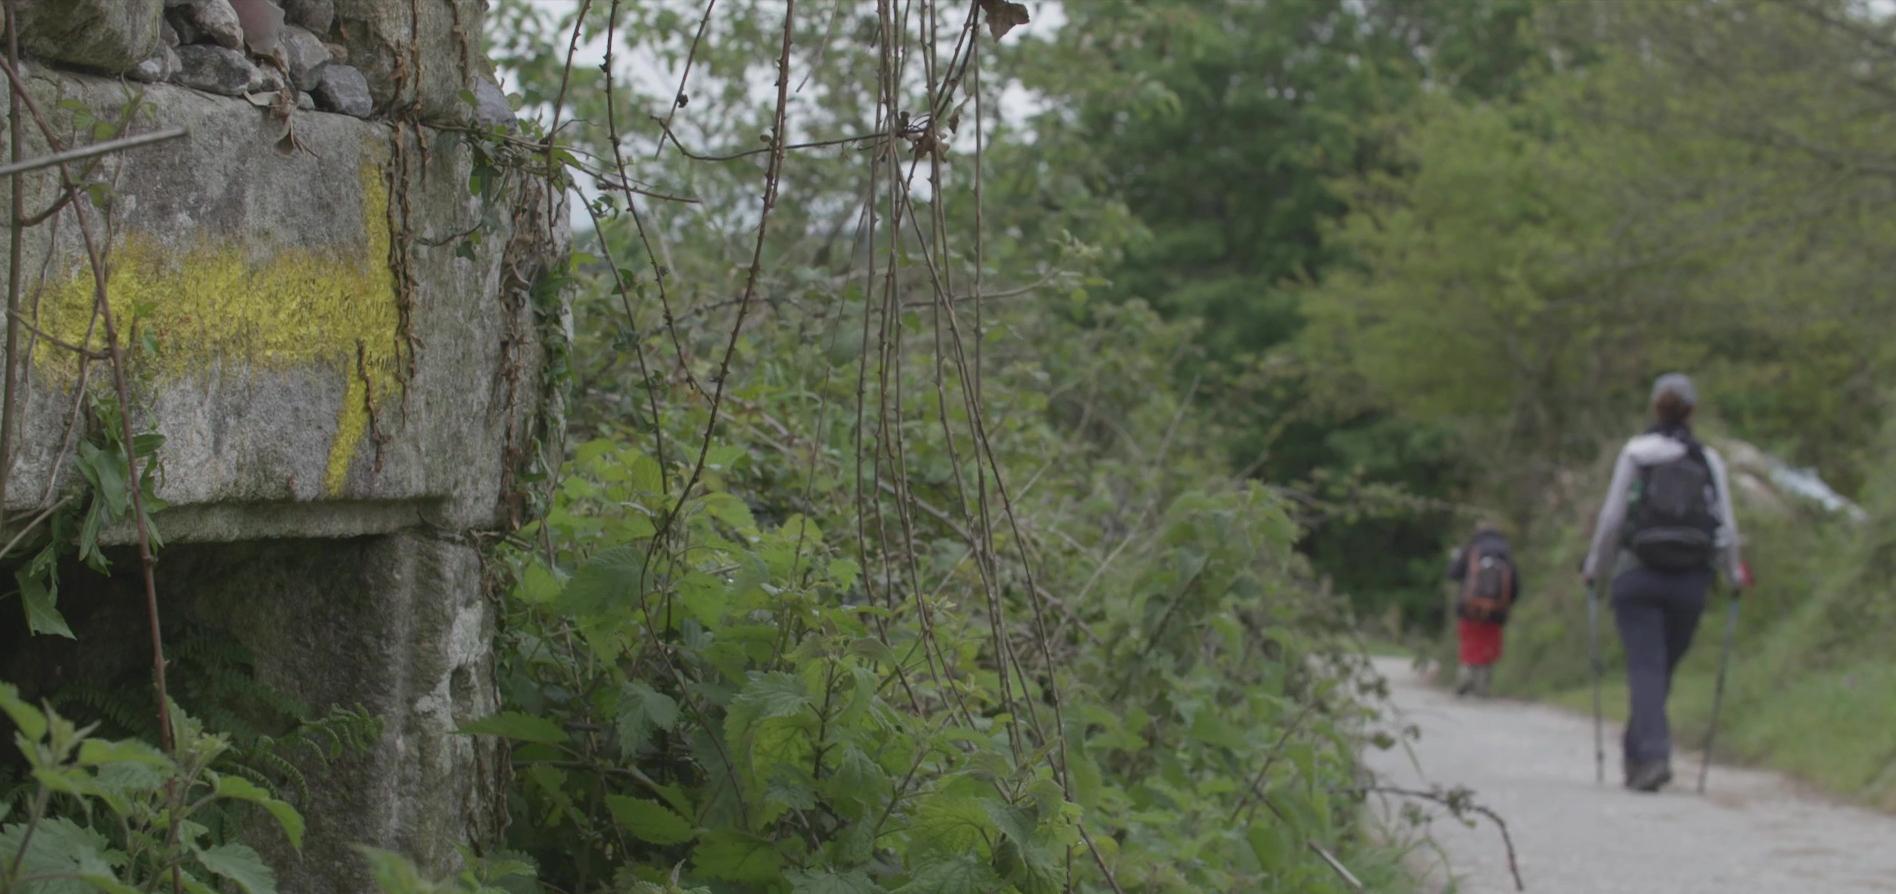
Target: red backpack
(1487, 586)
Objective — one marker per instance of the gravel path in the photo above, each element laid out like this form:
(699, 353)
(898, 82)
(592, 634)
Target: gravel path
(1753, 832)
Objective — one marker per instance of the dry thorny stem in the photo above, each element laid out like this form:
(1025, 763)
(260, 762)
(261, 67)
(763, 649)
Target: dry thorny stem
(1459, 803)
(96, 238)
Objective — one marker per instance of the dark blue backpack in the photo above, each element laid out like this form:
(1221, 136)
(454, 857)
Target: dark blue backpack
(1673, 525)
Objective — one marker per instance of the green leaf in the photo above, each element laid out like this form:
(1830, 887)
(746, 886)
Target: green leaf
(641, 711)
(705, 597)
(730, 510)
(393, 873)
(39, 599)
(239, 789)
(844, 572)
(30, 720)
(1087, 779)
(952, 824)
(736, 857)
(538, 585)
(646, 475)
(852, 882)
(105, 471)
(650, 820)
(770, 695)
(609, 580)
(517, 726)
(241, 865)
(98, 881)
(856, 778)
(99, 752)
(1271, 845)
(118, 781)
(790, 786)
(61, 847)
(956, 875)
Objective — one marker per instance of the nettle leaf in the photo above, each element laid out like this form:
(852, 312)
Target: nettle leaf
(125, 768)
(30, 720)
(765, 697)
(642, 710)
(239, 789)
(704, 597)
(392, 871)
(1271, 845)
(1088, 782)
(99, 752)
(241, 865)
(730, 510)
(646, 475)
(1026, 859)
(59, 847)
(518, 727)
(608, 580)
(650, 820)
(856, 779)
(790, 786)
(852, 882)
(957, 875)
(952, 824)
(538, 584)
(735, 857)
(843, 572)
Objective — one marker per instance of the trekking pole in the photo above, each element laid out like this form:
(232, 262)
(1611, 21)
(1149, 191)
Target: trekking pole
(1718, 690)
(1599, 671)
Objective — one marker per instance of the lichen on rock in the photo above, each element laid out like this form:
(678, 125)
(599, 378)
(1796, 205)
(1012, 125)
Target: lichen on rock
(336, 308)
(108, 35)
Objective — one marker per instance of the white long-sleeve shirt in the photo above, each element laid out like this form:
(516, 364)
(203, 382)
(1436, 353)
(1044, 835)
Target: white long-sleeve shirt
(1648, 450)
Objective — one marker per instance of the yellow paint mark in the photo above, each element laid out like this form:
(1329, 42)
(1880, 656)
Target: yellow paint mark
(297, 307)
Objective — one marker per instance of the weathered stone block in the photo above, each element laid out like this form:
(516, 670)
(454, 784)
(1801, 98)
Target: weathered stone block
(398, 625)
(217, 20)
(109, 35)
(305, 56)
(318, 16)
(344, 388)
(327, 363)
(216, 70)
(162, 66)
(341, 88)
(417, 56)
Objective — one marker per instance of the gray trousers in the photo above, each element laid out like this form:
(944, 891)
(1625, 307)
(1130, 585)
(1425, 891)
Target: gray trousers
(1656, 612)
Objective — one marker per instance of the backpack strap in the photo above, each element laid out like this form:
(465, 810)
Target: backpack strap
(1470, 574)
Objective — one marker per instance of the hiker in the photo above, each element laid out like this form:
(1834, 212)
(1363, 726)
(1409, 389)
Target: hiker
(1666, 524)
(1489, 586)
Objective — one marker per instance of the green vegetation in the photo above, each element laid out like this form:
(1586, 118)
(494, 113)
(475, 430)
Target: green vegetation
(963, 498)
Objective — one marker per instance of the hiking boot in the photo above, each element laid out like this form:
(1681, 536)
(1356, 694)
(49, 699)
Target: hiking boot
(1649, 777)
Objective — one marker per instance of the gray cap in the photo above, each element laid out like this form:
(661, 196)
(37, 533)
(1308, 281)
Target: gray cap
(1677, 384)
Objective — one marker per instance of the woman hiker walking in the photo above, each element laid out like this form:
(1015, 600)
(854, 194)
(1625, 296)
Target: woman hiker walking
(1665, 527)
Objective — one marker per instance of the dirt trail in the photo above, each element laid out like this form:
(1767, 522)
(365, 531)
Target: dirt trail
(1753, 832)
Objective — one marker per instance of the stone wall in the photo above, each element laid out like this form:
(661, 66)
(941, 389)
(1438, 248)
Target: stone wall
(345, 389)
